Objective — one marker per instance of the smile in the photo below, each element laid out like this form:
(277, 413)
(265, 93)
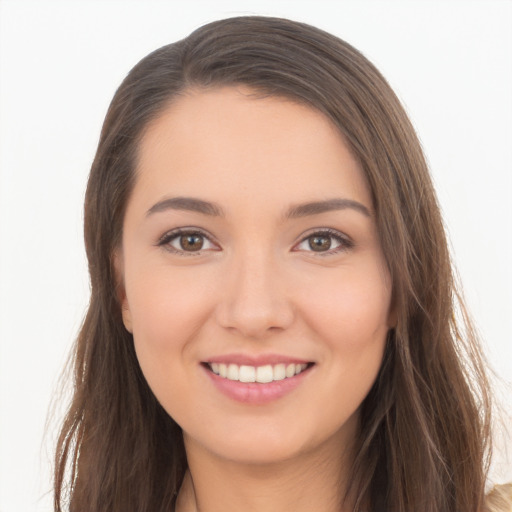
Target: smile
(261, 374)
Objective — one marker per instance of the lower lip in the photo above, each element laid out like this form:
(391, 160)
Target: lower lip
(256, 393)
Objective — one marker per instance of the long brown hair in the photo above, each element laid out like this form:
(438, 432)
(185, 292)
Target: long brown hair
(424, 437)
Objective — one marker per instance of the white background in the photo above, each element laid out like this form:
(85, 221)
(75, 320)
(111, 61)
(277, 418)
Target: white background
(60, 63)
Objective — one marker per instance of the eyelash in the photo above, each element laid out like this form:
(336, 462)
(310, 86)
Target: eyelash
(344, 242)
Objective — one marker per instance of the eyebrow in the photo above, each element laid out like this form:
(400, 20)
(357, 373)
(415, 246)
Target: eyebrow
(186, 203)
(301, 210)
(317, 207)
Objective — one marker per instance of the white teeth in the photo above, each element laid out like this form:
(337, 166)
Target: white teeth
(261, 374)
(233, 372)
(264, 374)
(279, 372)
(247, 374)
(290, 370)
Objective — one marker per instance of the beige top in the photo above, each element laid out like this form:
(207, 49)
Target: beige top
(499, 499)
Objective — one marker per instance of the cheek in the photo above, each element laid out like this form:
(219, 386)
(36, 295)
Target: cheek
(349, 315)
(164, 303)
(351, 307)
(167, 309)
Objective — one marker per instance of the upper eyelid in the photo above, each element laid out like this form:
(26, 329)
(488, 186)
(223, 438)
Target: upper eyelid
(185, 230)
(304, 235)
(324, 231)
(331, 232)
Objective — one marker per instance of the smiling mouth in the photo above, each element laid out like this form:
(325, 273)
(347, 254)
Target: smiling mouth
(261, 374)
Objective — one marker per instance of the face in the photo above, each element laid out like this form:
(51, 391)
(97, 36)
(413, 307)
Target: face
(253, 278)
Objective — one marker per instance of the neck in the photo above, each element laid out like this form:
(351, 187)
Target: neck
(313, 481)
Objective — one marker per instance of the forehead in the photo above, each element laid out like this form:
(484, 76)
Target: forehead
(231, 143)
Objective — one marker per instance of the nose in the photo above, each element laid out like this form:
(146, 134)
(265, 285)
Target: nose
(254, 301)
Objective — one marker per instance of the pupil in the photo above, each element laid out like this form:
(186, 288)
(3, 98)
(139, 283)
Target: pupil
(191, 242)
(320, 243)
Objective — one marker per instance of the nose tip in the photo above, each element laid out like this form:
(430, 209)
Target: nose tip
(253, 323)
(254, 304)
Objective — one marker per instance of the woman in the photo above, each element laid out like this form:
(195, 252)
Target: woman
(273, 321)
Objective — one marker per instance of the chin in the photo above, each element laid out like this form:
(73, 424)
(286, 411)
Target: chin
(273, 443)
(258, 452)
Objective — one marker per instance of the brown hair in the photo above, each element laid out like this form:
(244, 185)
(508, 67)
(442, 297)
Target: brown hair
(424, 437)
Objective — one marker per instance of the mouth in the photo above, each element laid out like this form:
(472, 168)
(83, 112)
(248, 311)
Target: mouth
(259, 374)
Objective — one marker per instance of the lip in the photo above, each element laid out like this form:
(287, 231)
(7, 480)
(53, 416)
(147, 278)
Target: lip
(255, 393)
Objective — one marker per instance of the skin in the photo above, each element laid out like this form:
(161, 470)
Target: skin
(256, 287)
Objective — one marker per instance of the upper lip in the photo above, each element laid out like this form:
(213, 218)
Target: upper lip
(256, 360)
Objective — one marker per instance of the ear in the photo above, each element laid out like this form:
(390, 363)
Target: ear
(118, 264)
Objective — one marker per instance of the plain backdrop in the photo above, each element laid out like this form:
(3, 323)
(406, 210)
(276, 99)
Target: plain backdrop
(60, 63)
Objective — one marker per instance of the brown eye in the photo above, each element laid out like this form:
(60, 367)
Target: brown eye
(319, 243)
(191, 242)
